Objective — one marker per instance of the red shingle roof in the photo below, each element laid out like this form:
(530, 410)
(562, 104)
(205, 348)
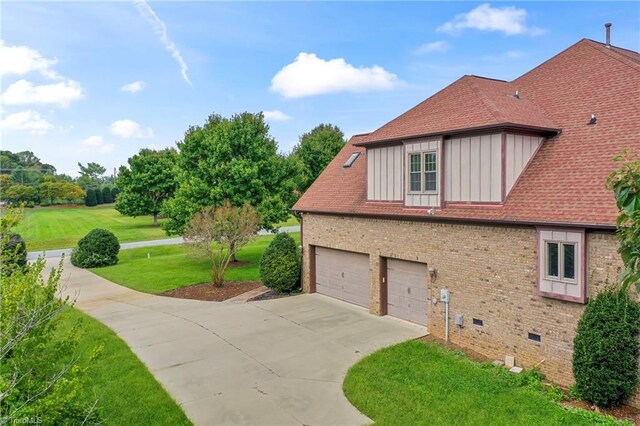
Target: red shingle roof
(470, 102)
(565, 181)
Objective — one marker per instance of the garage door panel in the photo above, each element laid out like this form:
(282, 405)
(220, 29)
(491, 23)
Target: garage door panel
(343, 275)
(407, 290)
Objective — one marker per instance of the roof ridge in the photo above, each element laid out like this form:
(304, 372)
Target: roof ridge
(612, 53)
(614, 46)
(495, 113)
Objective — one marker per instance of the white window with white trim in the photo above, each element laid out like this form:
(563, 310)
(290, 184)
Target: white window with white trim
(560, 264)
(423, 172)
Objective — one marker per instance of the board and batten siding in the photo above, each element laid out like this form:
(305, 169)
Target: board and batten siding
(428, 199)
(385, 173)
(519, 150)
(473, 169)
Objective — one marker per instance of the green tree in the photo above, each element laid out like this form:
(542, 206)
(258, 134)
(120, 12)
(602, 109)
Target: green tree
(228, 158)
(625, 183)
(71, 192)
(316, 149)
(50, 191)
(147, 183)
(90, 199)
(25, 176)
(20, 193)
(90, 175)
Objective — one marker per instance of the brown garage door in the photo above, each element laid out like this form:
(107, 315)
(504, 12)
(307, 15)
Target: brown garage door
(407, 290)
(343, 275)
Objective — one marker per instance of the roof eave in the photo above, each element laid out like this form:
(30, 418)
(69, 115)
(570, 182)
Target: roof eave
(422, 218)
(543, 131)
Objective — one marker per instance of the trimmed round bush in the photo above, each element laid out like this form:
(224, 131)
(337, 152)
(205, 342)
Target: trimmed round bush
(96, 249)
(605, 355)
(280, 264)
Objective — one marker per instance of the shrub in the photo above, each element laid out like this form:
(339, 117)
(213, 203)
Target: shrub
(280, 264)
(98, 248)
(107, 195)
(90, 199)
(605, 357)
(14, 254)
(99, 198)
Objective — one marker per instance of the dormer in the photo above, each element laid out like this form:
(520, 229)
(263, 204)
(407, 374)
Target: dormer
(467, 144)
(452, 169)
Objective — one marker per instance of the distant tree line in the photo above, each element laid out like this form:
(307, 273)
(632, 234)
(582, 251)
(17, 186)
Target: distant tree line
(25, 179)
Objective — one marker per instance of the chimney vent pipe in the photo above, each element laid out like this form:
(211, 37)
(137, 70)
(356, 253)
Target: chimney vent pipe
(608, 29)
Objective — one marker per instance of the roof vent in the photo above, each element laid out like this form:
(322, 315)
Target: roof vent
(607, 27)
(593, 119)
(517, 94)
(352, 159)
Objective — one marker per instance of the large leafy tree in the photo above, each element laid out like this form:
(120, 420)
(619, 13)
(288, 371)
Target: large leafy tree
(316, 149)
(231, 159)
(147, 183)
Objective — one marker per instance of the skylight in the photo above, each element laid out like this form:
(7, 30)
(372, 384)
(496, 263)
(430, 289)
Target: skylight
(352, 159)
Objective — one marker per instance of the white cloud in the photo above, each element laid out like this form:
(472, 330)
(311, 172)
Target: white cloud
(510, 20)
(22, 60)
(29, 120)
(435, 46)
(309, 75)
(23, 92)
(134, 87)
(160, 29)
(96, 143)
(130, 129)
(275, 115)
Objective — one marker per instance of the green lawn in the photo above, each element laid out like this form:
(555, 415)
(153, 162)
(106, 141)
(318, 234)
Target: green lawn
(292, 221)
(52, 228)
(421, 383)
(61, 227)
(162, 268)
(127, 393)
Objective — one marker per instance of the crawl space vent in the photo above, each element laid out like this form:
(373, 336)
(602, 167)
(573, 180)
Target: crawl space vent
(535, 337)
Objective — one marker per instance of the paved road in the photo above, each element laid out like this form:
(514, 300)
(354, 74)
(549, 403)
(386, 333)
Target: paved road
(274, 362)
(123, 246)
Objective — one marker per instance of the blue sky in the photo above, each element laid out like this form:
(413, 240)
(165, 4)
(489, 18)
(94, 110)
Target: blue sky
(97, 81)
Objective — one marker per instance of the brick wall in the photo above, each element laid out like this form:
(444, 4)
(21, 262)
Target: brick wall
(490, 272)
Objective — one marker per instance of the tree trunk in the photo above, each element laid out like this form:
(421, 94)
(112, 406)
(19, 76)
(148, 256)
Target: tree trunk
(155, 218)
(232, 249)
(218, 278)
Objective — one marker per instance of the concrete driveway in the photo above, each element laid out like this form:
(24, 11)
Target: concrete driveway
(275, 362)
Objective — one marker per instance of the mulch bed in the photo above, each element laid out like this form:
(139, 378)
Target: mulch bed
(208, 292)
(271, 294)
(623, 412)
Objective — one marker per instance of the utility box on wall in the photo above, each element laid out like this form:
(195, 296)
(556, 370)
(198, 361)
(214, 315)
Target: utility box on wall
(459, 320)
